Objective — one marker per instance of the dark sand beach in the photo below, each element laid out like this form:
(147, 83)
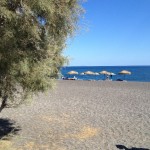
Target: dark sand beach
(83, 115)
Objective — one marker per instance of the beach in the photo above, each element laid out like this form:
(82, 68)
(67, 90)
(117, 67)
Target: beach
(83, 115)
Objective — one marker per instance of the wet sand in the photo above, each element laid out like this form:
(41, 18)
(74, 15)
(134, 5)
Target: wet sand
(84, 115)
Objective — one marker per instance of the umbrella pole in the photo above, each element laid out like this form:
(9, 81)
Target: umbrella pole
(111, 77)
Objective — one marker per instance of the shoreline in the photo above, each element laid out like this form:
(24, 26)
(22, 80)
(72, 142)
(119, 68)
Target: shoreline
(126, 81)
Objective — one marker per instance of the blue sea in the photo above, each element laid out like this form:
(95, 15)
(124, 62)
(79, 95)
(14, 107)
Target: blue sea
(138, 73)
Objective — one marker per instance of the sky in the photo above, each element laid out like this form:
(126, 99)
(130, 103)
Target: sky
(112, 33)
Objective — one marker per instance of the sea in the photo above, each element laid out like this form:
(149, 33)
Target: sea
(138, 73)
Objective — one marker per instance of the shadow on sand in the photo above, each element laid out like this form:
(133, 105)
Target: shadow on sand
(133, 148)
(8, 128)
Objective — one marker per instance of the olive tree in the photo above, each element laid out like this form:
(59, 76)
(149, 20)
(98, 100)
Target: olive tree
(33, 34)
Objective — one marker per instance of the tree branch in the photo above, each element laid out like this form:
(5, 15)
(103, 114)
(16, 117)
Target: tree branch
(4, 103)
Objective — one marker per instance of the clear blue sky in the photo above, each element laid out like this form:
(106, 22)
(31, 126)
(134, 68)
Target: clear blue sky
(118, 34)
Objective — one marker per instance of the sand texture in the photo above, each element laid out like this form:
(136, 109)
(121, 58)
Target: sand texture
(82, 115)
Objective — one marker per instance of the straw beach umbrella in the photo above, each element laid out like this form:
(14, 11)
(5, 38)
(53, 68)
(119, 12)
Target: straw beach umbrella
(124, 72)
(89, 73)
(105, 73)
(72, 72)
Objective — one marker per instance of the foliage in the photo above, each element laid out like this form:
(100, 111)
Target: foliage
(33, 35)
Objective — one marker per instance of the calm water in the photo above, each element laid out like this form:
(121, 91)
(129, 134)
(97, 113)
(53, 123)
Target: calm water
(139, 73)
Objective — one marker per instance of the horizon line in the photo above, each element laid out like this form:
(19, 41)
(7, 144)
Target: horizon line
(109, 66)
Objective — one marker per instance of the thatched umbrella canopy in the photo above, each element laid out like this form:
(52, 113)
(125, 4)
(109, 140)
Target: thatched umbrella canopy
(72, 72)
(105, 72)
(124, 72)
(89, 73)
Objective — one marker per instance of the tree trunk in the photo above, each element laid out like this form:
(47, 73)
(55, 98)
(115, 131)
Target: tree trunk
(4, 103)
